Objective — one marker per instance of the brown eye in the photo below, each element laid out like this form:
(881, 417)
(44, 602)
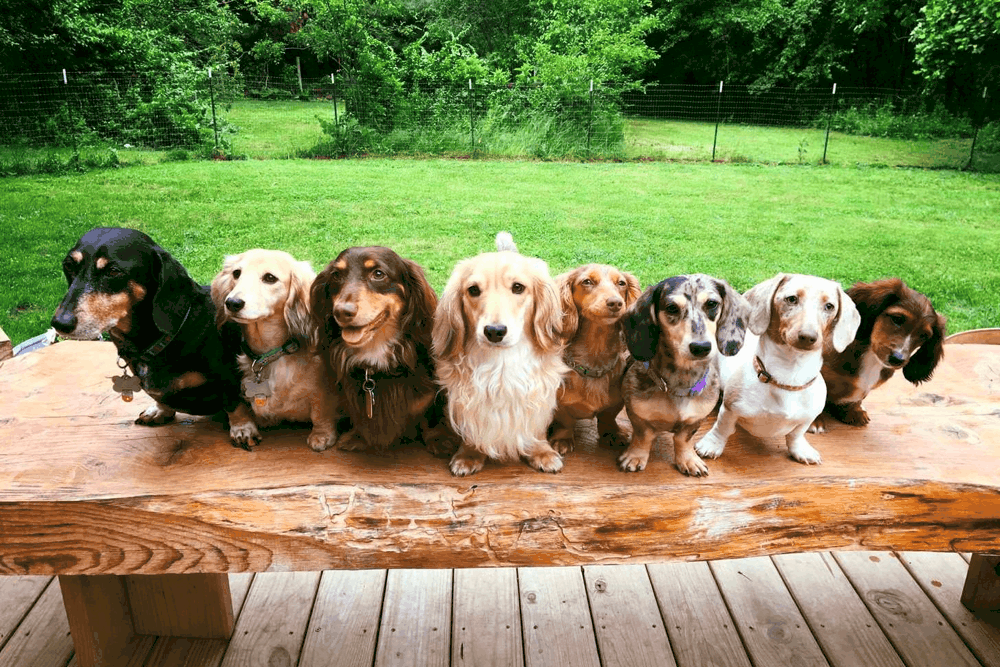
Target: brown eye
(792, 299)
(673, 309)
(236, 274)
(378, 274)
(474, 290)
(269, 278)
(711, 304)
(587, 281)
(517, 288)
(622, 283)
(113, 272)
(829, 307)
(898, 320)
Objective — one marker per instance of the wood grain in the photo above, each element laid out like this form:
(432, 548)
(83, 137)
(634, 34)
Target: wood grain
(100, 621)
(6, 348)
(181, 605)
(701, 630)
(111, 497)
(558, 630)
(981, 592)
(908, 618)
(836, 615)
(345, 619)
(17, 595)
(627, 622)
(770, 624)
(416, 620)
(43, 637)
(486, 619)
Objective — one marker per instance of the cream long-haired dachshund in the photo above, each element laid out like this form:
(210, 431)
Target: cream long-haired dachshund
(498, 347)
(266, 292)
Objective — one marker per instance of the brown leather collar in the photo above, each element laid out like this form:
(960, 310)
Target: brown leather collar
(766, 378)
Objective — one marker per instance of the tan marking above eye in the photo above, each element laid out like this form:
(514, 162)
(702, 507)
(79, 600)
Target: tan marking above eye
(101, 262)
(138, 291)
(76, 256)
(370, 263)
(342, 265)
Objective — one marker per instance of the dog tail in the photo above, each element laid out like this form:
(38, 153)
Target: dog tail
(505, 242)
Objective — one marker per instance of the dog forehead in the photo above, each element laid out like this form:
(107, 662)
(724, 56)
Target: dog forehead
(808, 288)
(263, 261)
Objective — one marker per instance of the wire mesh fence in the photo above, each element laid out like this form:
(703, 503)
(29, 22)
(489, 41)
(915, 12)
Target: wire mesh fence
(152, 116)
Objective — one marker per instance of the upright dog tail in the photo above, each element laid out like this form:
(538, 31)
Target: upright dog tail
(505, 242)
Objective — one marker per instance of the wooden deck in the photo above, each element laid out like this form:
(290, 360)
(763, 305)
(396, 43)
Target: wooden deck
(851, 608)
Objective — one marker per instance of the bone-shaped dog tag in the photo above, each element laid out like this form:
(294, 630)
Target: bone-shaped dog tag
(258, 390)
(126, 385)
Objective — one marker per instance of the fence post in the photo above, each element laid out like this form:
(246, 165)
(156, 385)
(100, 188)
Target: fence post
(72, 121)
(336, 120)
(975, 135)
(829, 114)
(590, 122)
(211, 92)
(718, 113)
(298, 68)
(472, 124)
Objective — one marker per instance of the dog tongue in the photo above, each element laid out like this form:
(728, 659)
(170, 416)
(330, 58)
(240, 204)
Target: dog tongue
(352, 335)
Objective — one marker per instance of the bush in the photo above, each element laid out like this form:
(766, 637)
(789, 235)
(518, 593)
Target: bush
(887, 121)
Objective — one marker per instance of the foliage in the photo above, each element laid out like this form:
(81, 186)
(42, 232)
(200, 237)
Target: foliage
(887, 121)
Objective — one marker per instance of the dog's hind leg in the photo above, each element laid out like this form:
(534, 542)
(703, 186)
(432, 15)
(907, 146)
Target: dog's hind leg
(607, 426)
(561, 433)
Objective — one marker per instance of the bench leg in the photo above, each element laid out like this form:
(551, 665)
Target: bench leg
(982, 584)
(113, 617)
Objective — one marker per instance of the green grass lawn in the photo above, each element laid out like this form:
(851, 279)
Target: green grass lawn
(936, 229)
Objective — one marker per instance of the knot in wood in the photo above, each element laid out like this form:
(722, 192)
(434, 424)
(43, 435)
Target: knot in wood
(531, 596)
(600, 585)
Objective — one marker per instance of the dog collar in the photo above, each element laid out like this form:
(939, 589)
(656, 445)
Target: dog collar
(290, 346)
(766, 378)
(591, 372)
(156, 347)
(698, 387)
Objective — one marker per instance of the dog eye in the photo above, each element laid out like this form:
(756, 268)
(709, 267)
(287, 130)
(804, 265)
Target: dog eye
(673, 309)
(792, 299)
(236, 274)
(474, 290)
(269, 278)
(587, 281)
(898, 320)
(711, 304)
(829, 306)
(517, 288)
(622, 283)
(113, 272)
(378, 274)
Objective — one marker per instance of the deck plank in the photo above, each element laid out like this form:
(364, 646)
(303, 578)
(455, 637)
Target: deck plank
(908, 618)
(773, 630)
(486, 621)
(558, 630)
(18, 595)
(942, 576)
(701, 631)
(188, 652)
(273, 621)
(344, 624)
(837, 617)
(42, 639)
(627, 621)
(416, 619)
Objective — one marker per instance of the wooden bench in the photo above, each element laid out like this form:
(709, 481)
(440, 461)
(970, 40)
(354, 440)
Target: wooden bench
(142, 524)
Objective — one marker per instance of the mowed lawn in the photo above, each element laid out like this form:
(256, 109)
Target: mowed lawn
(936, 229)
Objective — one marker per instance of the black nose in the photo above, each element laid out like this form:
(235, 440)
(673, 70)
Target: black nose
(896, 360)
(807, 338)
(614, 305)
(235, 305)
(495, 332)
(64, 321)
(700, 349)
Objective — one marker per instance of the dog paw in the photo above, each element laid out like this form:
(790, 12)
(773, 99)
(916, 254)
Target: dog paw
(710, 446)
(633, 460)
(245, 435)
(549, 461)
(441, 446)
(818, 425)
(691, 465)
(351, 442)
(562, 445)
(155, 415)
(466, 462)
(856, 416)
(614, 440)
(803, 452)
(320, 441)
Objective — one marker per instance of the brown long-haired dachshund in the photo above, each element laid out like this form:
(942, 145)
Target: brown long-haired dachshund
(900, 330)
(374, 311)
(594, 298)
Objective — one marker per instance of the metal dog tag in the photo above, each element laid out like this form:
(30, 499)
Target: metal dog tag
(369, 388)
(258, 390)
(126, 385)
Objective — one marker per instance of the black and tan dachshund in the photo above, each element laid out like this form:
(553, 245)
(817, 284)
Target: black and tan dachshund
(162, 322)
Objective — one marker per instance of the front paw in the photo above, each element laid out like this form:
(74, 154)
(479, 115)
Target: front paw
(441, 446)
(818, 425)
(351, 442)
(245, 435)
(562, 445)
(856, 416)
(155, 415)
(633, 460)
(614, 439)
(466, 461)
(546, 461)
(689, 464)
(320, 441)
(710, 446)
(803, 452)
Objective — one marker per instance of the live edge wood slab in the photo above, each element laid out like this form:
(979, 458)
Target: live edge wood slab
(84, 491)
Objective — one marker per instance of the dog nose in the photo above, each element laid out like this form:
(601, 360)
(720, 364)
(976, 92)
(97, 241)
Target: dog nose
(64, 321)
(495, 332)
(896, 359)
(807, 338)
(700, 349)
(235, 305)
(615, 304)
(345, 310)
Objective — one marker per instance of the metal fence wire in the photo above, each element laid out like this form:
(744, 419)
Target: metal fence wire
(157, 115)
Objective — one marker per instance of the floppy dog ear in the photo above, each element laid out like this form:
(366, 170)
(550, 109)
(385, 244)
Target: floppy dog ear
(761, 298)
(848, 321)
(222, 285)
(418, 319)
(633, 289)
(642, 326)
(922, 364)
(297, 311)
(547, 315)
(449, 334)
(871, 299)
(170, 300)
(321, 309)
(570, 313)
(731, 329)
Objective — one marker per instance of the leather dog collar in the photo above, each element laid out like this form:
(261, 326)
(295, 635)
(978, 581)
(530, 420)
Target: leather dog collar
(698, 387)
(591, 372)
(155, 348)
(766, 378)
(260, 361)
